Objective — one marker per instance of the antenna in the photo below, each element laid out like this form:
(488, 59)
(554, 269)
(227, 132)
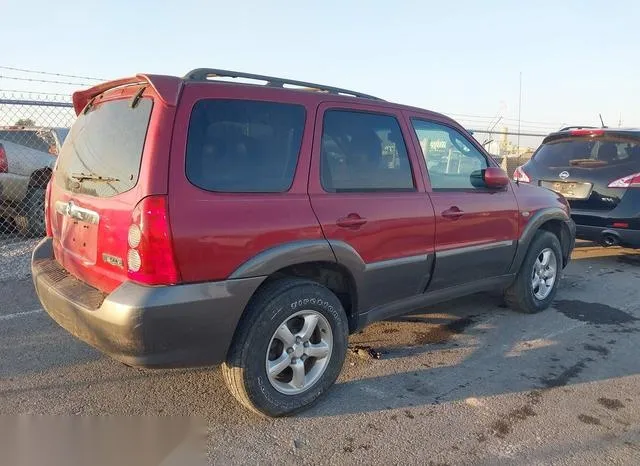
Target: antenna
(601, 120)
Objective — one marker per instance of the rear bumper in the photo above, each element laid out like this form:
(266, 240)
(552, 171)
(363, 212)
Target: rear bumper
(624, 237)
(170, 326)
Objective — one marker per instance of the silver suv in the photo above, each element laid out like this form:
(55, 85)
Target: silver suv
(27, 156)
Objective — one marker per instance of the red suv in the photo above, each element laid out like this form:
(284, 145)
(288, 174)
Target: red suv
(194, 221)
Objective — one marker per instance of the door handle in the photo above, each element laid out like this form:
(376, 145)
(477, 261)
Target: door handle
(351, 221)
(453, 213)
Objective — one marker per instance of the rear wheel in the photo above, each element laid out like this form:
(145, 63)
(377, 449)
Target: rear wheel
(289, 348)
(31, 221)
(537, 281)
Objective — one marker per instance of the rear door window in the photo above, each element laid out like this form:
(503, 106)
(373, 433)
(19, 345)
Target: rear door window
(363, 152)
(589, 153)
(105, 142)
(237, 146)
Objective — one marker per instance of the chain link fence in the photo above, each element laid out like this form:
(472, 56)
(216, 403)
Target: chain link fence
(32, 130)
(34, 126)
(509, 149)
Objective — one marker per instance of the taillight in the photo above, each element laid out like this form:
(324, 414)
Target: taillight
(150, 258)
(47, 220)
(520, 176)
(4, 163)
(631, 181)
(586, 132)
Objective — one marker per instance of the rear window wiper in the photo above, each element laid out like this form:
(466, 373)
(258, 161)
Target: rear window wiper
(92, 177)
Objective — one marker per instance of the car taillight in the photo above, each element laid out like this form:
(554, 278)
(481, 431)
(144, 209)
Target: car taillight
(150, 258)
(631, 181)
(4, 163)
(47, 221)
(586, 132)
(520, 176)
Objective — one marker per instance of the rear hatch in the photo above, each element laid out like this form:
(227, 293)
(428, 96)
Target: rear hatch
(98, 180)
(583, 167)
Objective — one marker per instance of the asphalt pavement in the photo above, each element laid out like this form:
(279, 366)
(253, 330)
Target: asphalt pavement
(465, 382)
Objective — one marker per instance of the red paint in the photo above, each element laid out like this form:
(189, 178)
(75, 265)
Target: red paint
(496, 178)
(397, 224)
(207, 235)
(4, 163)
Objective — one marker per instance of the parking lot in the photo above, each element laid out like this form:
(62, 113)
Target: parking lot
(464, 382)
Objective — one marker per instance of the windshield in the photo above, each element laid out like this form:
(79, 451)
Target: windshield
(590, 152)
(106, 143)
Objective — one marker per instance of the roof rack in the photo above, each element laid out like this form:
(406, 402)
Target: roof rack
(203, 74)
(567, 128)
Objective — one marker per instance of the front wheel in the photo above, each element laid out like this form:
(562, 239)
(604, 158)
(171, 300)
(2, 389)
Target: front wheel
(289, 348)
(537, 281)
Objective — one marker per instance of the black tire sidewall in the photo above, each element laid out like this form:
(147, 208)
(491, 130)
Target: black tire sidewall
(273, 313)
(35, 215)
(543, 240)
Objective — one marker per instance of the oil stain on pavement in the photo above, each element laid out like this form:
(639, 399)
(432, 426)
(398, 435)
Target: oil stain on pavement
(593, 313)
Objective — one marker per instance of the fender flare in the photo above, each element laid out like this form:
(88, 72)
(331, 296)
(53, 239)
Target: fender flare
(538, 219)
(286, 255)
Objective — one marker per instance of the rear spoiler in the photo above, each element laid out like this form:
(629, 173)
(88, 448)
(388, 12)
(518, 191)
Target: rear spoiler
(168, 89)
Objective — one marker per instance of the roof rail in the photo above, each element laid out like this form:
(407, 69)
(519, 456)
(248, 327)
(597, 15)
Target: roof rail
(567, 128)
(203, 74)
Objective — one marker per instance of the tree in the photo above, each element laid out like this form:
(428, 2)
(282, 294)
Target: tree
(25, 122)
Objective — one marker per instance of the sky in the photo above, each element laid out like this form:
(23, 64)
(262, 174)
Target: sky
(463, 58)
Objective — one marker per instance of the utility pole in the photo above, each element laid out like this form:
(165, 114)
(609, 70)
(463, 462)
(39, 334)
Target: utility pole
(620, 121)
(519, 112)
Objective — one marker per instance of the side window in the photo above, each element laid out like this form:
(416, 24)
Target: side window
(363, 152)
(452, 161)
(244, 146)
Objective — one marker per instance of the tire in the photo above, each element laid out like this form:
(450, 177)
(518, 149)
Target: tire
(257, 342)
(522, 295)
(31, 222)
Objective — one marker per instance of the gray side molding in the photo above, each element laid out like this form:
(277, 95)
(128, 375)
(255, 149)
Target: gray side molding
(387, 281)
(537, 220)
(285, 255)
(375, 284)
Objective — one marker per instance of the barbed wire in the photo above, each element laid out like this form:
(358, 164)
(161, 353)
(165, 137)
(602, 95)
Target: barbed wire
(48, 81)
(18, 91)
(49, 73)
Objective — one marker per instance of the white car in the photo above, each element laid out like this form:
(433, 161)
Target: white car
(27, 157)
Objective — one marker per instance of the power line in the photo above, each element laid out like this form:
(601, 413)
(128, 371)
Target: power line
(43, 81)
(50, 73)
(485, 117)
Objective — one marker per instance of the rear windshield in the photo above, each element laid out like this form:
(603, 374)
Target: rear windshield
(41, 140)
(600, 152)
(107, 142)
(244, 145)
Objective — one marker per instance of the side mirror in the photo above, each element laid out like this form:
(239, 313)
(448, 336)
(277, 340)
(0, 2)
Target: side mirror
(495, 178)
